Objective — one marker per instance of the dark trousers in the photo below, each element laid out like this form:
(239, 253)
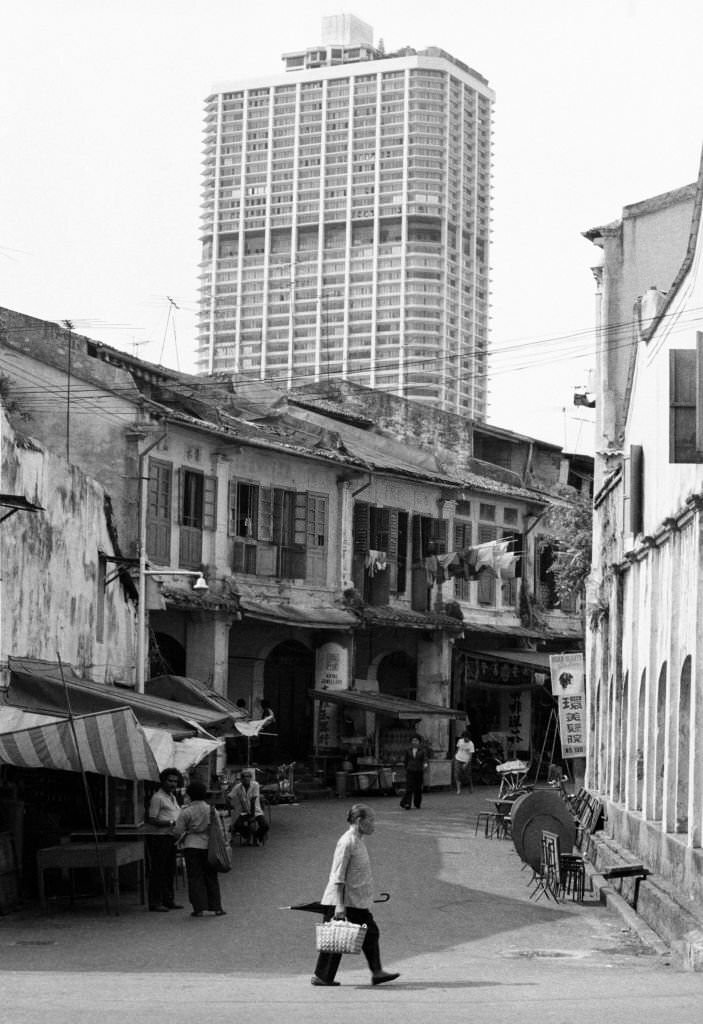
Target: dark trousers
(251, 827)
(327, 963)
(413, 789)
(161, 858)
(203, 881)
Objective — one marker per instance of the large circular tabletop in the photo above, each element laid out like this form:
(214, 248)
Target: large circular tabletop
(533, 813)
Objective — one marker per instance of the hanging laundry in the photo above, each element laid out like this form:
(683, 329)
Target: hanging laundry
(375, 561)
(432, 569)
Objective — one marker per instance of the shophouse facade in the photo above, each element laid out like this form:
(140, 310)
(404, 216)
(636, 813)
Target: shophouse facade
(644, 653)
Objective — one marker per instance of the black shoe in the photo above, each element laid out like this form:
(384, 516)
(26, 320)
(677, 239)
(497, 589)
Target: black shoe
(173, 906)
(159, 910)
(318, 981)
(383, 977)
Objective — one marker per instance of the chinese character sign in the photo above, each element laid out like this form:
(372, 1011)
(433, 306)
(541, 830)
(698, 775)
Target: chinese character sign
(572, 725)
(331, 672)
(569, 687)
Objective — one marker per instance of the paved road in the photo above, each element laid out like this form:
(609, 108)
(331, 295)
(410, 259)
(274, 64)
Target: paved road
(459, 927)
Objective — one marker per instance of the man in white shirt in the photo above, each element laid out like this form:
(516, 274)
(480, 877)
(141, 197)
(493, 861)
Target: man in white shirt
(161, 847)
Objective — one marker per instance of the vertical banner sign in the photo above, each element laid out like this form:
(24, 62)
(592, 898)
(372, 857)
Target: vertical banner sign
(569, 687)
(331, 673)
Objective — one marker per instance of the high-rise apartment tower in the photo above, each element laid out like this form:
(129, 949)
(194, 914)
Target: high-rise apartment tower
(346, 222)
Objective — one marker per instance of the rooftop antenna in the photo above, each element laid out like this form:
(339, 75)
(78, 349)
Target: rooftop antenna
(170, 318)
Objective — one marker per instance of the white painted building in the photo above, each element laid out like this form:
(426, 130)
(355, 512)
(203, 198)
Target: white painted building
(645, 642)
(346, 222)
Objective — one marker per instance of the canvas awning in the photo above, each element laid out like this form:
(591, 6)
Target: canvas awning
(107, 743)
(181, 754)
(189, 691)
(384, 704)
(312, 617)
(37, 685)
(537, 660)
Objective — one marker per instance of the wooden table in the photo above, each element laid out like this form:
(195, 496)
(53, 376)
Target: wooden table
(108, 856)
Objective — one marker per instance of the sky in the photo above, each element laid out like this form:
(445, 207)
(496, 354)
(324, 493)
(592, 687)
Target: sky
(599, 104)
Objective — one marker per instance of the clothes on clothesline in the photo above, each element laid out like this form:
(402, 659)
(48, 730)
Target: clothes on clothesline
(375, 561)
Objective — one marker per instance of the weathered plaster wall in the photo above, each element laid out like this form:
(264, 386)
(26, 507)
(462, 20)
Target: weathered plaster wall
(34, 355)
(50, 567)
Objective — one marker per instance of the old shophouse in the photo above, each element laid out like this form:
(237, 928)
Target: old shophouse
(644, 640)
(334, 532)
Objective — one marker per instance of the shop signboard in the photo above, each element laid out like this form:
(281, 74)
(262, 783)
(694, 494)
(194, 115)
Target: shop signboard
(331, 673)
(568, 686)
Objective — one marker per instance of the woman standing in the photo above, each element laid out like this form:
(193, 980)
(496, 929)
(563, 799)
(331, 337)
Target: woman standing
(194, 826)
(348, 895)
(465, 750)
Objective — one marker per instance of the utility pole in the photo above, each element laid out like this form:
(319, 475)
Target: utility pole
(69, 327)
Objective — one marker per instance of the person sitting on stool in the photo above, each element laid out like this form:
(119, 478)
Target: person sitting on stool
(245, 800)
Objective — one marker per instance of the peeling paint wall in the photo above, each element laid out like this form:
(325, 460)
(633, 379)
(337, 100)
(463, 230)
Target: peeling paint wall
(49, 564)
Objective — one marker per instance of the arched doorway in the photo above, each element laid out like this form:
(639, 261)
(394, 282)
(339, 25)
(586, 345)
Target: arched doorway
(683, 753)
(289, 672)
(397, 675)
(639, 752)
(166, 656)
(659, 742)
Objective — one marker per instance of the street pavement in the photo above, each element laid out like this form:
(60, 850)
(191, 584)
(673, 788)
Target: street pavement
(459, 926)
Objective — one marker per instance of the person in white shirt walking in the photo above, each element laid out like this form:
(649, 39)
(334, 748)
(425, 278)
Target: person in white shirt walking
(348, 895)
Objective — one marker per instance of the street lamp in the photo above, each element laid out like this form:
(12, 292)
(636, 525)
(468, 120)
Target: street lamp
(142, 648)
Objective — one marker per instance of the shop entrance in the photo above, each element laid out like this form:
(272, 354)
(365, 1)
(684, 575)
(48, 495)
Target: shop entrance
(397, 675)
(289, 673)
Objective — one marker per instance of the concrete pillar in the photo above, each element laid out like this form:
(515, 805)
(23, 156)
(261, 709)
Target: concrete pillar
(207, 648)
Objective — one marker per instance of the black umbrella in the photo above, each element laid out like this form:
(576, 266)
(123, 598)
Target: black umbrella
(315, 907)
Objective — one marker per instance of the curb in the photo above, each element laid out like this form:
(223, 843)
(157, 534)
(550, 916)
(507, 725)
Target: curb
(612, 899)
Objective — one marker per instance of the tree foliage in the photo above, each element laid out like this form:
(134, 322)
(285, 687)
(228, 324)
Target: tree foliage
(569, 529)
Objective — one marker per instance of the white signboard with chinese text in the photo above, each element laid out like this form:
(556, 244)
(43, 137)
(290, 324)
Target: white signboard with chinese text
(572, 725)
(331, 673)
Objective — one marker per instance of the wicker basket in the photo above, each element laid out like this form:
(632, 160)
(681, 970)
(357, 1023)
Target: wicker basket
(340, 937)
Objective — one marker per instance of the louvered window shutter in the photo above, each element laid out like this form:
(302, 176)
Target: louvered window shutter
(265, 529)
(210, 503)
(636, 488)
(300, 518)
(232, 508)
(393, 549)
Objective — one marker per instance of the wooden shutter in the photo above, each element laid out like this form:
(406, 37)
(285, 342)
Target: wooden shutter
(417, 551)
(316, 538)
(181, 488)
(487, 581)
(393, 550)
(636, 488)
(685, 442)
(231, 508)
(361, 526)
(210, 503)
(300, 518)
(158, 526)
(265, 525)
(462, 535)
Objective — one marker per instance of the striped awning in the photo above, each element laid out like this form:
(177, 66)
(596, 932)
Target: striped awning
(109, 743)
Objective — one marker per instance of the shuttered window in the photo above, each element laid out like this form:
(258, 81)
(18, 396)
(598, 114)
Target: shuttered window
(686, 403)
(158, 521)
(636, 488)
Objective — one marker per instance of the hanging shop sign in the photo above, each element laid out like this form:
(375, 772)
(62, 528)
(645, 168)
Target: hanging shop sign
(569, 687)
(568, 674)
(331, 673)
